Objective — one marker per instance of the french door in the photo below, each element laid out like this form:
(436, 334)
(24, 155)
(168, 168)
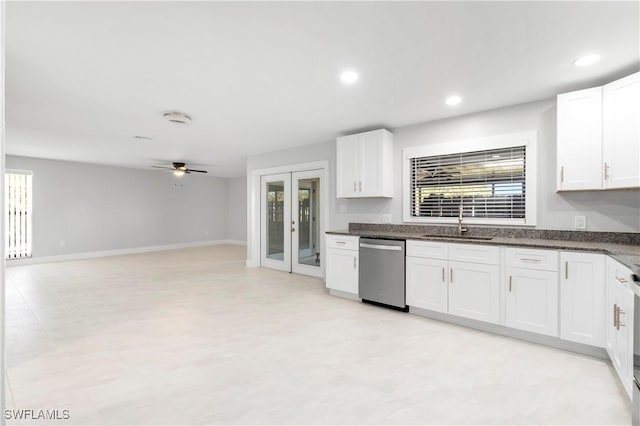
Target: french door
(291, 225)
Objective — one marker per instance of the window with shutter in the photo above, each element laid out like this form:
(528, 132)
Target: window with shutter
(491, 186)
(18, 235)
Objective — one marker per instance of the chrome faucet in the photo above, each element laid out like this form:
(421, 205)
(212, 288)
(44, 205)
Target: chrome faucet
(461, 229)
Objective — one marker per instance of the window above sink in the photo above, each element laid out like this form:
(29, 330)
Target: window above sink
(492, 179)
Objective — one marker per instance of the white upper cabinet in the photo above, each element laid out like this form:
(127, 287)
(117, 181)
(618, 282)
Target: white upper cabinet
(599, 137)
(365, 165)
(580, 140)
(621, 133)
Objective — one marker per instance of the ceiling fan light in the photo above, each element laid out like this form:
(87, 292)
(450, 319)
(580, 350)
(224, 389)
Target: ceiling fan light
(178, 173)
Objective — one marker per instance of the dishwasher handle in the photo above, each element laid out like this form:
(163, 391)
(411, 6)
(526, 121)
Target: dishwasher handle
(381, 247)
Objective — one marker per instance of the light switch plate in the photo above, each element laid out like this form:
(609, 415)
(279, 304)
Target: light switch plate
(386, 218)
(580, 222)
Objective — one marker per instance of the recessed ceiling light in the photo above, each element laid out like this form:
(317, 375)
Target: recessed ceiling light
(585, 60)
(177, 117)
(453, 100)
(349, 77)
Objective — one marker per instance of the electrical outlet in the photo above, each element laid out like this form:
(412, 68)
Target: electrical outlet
(63, 243)
(342, 208)
(580, 222)
(206, 233)
(386, 218)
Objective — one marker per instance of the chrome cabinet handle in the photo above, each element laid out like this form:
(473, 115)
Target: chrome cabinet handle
(561, 174)
(528, 260)
(615, 315)
(355, 187)
(354, 262)
(510, 280)
(360, 183)
(621, 280)
(606, 171)
(566, 270)
(443, 274)
(341, 242)
(451, 275)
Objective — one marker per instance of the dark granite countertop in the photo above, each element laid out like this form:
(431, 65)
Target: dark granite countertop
(627, 254)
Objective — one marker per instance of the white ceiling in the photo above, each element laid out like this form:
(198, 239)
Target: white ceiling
(83, 78)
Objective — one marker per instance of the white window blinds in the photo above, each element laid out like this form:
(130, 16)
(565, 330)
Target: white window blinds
(18, 210)
(487, 184)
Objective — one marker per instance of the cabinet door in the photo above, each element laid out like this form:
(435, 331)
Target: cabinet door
(580, 140)
(619, 321)
(474, 291)
(582, 298)
(370, 160)
(427, 283)
(347, 180)
(342, 270)
(621, 132)
(625, 338)
(532, 300)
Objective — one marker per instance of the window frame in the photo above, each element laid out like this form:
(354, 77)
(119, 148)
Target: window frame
(529, 139)
(30, 238)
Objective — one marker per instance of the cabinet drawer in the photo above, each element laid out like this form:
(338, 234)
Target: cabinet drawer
(474, 253)
(342, 242)
(428, 249)
(545, 260)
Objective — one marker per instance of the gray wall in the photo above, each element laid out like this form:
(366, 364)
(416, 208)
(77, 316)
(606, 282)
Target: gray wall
(617, 211)
(96, 208)
(237, 209)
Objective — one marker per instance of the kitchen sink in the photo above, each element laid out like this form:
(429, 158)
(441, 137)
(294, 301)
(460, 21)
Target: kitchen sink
(458, 237)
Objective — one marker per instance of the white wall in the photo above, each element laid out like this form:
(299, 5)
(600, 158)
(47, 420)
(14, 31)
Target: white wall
(96, 208)
(237, 209)
(617, 211)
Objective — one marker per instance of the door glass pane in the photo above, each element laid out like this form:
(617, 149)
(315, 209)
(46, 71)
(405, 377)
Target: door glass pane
(275, 220)
(308, 221)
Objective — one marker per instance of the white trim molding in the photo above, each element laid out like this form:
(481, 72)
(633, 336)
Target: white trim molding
(526, 138)
(116, 252)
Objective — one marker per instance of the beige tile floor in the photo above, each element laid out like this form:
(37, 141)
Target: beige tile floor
(194, 337)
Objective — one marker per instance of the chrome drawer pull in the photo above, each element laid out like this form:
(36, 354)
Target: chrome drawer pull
(525, 259)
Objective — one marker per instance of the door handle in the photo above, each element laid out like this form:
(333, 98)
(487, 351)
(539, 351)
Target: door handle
(380, 247)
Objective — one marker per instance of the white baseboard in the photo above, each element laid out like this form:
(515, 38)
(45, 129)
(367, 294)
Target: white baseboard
(116, 252)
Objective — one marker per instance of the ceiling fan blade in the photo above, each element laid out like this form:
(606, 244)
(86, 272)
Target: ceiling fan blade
(162, 167)
(197, 171)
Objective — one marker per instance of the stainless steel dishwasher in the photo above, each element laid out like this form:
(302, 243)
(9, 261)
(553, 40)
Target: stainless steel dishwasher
(381, 276)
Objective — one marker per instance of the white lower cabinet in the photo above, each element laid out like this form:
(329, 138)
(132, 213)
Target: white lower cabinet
(619, 322)
(474, 291)
(532, 300)
(342, 264)
(470, 290)
(427, 283)
(582, 298)
(531, 290)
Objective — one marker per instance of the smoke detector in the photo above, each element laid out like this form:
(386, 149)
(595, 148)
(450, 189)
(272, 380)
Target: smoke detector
(177, 117)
